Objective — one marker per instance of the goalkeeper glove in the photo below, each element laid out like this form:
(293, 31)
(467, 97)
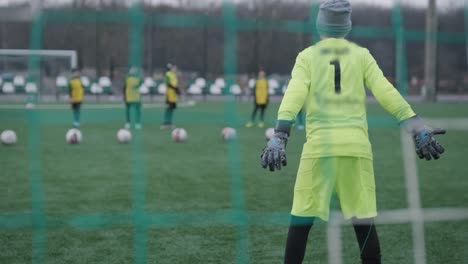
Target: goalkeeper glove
(426, 145)
(274, 154)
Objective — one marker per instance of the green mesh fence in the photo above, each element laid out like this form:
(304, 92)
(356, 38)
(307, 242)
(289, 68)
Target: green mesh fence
(140, 219)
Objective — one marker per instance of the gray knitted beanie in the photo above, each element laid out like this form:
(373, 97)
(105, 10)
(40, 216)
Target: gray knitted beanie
(334, 18)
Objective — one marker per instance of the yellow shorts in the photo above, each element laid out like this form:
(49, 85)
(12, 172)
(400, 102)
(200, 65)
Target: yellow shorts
(351, 177)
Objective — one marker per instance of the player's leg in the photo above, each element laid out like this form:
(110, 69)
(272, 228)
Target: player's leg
(252, 117)
(356, 190)
(171, 115)
(137, 107)
(254, 113)
(297, 239)
(127, 115)
(312, 193)
(168, 115)
(76, 108)
(368, 240)
(262, 116)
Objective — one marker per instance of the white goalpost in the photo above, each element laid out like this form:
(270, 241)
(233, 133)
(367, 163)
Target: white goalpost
(72, 55)
(15, 75)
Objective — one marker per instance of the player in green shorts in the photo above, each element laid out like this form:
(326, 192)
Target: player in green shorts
(329, 79)
(76, 92)
(132, 97)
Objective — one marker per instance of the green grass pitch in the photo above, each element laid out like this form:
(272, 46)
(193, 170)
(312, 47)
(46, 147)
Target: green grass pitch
(190, 192)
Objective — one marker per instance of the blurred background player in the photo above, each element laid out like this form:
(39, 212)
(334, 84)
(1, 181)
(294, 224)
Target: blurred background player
(172, 92)
(132, 97)
(261, 100)
(76, 92)
(329, 78)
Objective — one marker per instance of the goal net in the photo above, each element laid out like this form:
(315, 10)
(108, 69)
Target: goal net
(16, 72)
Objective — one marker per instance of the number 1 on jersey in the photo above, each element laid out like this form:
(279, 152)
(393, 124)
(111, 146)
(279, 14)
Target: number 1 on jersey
(337, 65)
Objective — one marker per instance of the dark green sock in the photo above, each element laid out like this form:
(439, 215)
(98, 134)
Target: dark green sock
(254, 113)
(170, 115)
(76, 115)
(127, 112)
(138, 113)
(167, 116)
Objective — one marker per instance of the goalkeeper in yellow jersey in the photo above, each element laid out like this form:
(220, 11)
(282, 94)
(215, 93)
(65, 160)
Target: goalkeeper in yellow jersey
(172, 92)
(329, 79)
(261, 99)
(76, 93)
(132, 97)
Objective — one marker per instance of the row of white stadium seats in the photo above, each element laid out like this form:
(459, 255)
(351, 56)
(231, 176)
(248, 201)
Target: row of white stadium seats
(10, 88)
(17, 81)
(104, 81)
(195, 88)
(149, 82)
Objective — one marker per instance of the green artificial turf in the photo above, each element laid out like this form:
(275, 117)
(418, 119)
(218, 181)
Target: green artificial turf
(203, 201)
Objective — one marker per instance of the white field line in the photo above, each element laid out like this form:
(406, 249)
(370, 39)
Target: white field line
(92, 106)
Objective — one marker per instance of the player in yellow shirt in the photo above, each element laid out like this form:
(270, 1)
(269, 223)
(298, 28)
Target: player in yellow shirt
(132, 97)
(329, 79)
(261, 99)
(172, 92)
(76, 93)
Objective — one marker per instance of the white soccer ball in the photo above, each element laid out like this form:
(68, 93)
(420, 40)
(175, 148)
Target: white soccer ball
(179, 135)
(124, 136)
(269, 133)
(228, 134)
(74, 136)
(8, 137)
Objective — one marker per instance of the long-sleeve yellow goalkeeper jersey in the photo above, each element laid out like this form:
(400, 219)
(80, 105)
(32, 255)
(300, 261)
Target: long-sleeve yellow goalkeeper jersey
(329, 79)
